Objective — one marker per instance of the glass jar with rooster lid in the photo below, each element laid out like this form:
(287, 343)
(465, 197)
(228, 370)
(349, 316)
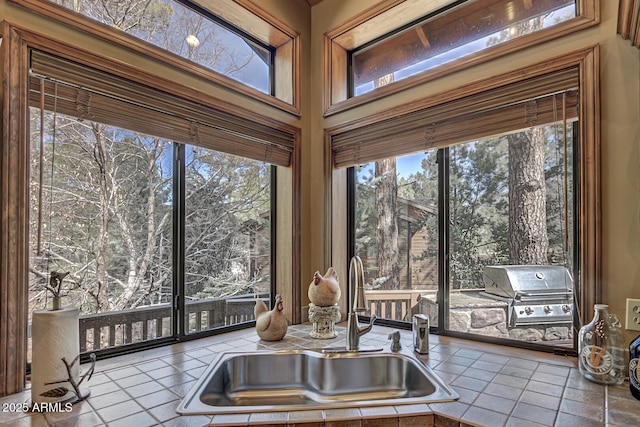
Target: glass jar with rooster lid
(601, 356)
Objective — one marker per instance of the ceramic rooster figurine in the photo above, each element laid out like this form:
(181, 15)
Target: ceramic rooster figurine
(270, 325)
(324, 291)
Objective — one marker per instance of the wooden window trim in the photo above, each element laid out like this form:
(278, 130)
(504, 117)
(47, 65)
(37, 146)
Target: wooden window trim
(390, 14)
(589, 228)
(629, 21)
(14, 200)
(241, 13)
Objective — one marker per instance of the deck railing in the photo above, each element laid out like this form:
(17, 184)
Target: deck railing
(111, 329)
(393, 304)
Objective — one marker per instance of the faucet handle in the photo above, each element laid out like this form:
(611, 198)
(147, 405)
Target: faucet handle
(395, 340)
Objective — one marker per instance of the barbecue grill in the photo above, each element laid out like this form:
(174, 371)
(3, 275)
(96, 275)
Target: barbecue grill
(536, 294)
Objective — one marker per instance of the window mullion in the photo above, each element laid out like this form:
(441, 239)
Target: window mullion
(179, 302)
(444, 248)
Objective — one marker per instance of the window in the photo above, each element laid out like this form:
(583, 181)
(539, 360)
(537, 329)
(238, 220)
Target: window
(495, 177)
(492, 209)
(143, 196)
(227, 237)
(102, 210)
(51, 77)
(189, 32)
(240, 47)
(397, 45)
(459, 30)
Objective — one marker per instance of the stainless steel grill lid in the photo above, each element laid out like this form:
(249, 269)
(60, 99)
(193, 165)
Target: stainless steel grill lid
(536, 294)
(528, 281)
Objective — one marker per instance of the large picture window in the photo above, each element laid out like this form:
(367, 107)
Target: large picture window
(154, 205)
(227, 237)
(509, 200)
(451, 199)
(101, 210)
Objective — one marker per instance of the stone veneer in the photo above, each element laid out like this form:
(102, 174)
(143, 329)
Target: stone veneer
(471, 312)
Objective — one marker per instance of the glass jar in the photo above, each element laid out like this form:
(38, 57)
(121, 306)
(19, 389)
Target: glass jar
(634, 375)
(601, 357)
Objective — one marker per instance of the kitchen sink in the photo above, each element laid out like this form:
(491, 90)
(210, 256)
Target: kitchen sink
(288, 380)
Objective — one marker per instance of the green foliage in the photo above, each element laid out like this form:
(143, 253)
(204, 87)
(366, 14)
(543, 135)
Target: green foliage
(478, 208)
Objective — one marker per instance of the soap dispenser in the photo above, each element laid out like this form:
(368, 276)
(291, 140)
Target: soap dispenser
(420, 333)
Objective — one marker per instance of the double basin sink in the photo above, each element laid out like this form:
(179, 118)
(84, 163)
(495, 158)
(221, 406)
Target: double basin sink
(289, 380)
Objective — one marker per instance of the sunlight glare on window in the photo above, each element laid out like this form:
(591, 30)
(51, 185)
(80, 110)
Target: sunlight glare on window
(456, 33)
(172, 26)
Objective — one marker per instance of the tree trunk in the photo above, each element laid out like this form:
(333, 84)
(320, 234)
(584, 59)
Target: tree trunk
(100, 294)
(528, 241)
(387, 229)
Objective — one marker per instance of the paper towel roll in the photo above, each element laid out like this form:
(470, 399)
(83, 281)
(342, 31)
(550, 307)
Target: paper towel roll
(54, 336)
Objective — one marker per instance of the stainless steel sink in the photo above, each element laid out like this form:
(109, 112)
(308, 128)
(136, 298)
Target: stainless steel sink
(288, 380)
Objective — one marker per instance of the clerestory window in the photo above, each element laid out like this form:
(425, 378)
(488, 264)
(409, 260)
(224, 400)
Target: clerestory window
(458, 30)
(188, 31)
(399, 45)
(238, 46)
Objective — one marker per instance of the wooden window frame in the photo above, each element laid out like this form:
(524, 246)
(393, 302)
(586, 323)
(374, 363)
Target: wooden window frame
(629, 21)
(589, 227)
(391, 14)
(243, 14)
(17, 42)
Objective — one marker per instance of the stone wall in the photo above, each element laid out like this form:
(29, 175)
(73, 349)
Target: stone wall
(473, 313)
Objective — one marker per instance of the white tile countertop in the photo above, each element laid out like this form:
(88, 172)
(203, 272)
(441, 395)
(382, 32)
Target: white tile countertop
(498, 386)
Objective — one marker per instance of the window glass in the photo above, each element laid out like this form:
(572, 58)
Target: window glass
(397, 233)
(461, 30)
(106, 207)
(510, 203)
(101, 210)
(195, 36)
(227, 237)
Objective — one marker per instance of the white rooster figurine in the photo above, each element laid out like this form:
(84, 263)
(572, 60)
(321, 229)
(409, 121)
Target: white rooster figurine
(270, 325)
(324, 291)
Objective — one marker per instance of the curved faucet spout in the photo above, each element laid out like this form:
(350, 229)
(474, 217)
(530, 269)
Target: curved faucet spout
(358, 304)
(354, 331)
(363, 330)
(356, 286)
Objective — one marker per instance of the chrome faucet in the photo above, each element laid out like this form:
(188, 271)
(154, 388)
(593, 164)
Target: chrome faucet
(359, 305)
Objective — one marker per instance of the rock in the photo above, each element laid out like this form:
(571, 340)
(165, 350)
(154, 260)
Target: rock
(491, 331)
(483, 318)
(554, 333)
(528, 334)
(459, 321)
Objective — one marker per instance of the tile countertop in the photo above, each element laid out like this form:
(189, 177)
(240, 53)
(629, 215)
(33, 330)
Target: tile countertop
(498, 386)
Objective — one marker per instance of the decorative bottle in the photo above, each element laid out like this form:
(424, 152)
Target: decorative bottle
(601, 357)
(634, 356)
